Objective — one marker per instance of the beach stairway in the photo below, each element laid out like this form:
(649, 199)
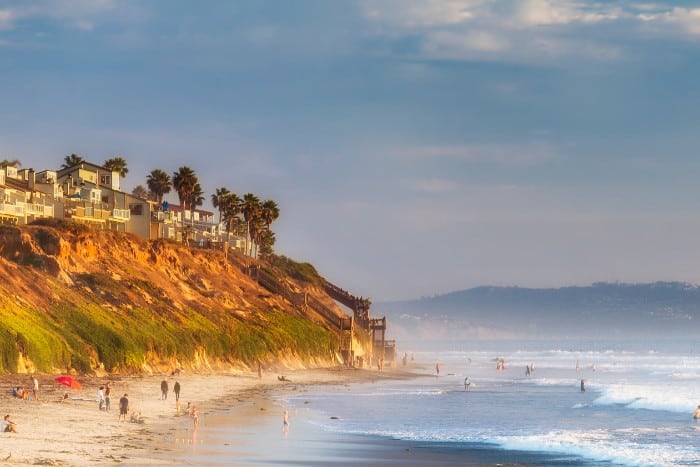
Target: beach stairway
(358, 305)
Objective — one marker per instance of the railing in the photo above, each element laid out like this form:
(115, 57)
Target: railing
(39, 210)
(90, 211)
(124, 214)
(12, 209)
(163, 216)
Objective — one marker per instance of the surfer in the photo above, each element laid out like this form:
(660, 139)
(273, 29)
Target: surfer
(696, 414)
(467, 383)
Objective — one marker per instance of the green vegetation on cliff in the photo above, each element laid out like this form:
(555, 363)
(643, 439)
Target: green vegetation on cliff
(121, 304)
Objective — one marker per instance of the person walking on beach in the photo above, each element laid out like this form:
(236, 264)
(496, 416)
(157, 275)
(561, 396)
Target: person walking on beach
(583, 386)
(35, 386)
(285, 422)
(108, 394)
(405, 359)
(259, 370)
(467, 383)
(195, 417)
(164, 389)
(101, 398)
(176, 390)
(527, 370)
(123, 407)
(437, 369)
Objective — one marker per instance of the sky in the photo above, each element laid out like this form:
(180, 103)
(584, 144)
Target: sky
(414, 147)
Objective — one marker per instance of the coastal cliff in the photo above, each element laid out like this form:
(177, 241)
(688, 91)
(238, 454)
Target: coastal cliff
(85, 301)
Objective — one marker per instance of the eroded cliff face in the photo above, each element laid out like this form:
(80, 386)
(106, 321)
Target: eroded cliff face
(106, 289)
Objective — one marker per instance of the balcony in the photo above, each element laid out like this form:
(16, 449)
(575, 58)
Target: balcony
(121, 214)
(90, 212)
(163, 216)
(16, 210)
(40, 210)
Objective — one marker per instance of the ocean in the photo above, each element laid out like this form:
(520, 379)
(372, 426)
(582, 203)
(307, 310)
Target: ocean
(636, 409)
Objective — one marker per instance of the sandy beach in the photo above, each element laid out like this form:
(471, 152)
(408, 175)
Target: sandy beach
(76, 432)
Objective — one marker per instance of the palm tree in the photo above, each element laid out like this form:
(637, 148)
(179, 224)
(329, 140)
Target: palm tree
(140, 191)
(72, 160)
(269, 212)
(250, 208)
(218, 200)
(232, 208)
(159, 183)
(117, 164)
(184, 182)
(257, 230)
(196, 198)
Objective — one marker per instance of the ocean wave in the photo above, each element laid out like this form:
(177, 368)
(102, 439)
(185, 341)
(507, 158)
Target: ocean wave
(659, 397)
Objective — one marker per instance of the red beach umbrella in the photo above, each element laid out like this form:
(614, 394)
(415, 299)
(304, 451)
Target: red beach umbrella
(68, 381)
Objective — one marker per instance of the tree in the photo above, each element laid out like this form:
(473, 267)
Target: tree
(250, 208)
(72, 160)
(10, 163)
(232, 211)
(266, 242)
(140, 191)
(196, 198)
(117, 164)
(159, 183)
(269, 212)
(184, 182)
(218, 200)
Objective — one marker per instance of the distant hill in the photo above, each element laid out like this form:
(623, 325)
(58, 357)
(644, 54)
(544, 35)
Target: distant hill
(601, 310)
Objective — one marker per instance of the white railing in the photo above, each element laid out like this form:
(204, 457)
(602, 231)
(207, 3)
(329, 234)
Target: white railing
(12, 209)
(121, 214)
(163, 216)
(39, 210)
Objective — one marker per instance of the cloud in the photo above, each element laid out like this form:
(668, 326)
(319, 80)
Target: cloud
(675, 22)
(496, 153)
(75, 14)
(527, 31)
(434, 185)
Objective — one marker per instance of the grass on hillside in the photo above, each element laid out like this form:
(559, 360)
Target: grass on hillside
(78, 333)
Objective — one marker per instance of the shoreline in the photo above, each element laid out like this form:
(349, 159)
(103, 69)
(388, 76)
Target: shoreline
(240, 423)
(250, 433)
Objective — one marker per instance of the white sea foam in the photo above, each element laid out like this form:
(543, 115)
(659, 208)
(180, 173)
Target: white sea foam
(601, 446)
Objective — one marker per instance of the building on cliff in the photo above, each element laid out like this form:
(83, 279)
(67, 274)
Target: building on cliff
(90, 194)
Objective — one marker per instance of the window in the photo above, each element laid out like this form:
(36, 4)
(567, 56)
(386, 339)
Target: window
(136, 209)
(105, 180)
(105, 199)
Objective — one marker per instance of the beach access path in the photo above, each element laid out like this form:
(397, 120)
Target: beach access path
(76, 432)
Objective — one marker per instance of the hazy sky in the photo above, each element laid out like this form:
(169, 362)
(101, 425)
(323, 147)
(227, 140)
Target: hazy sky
(414, 147)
